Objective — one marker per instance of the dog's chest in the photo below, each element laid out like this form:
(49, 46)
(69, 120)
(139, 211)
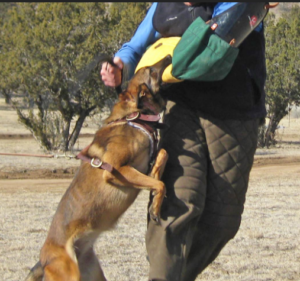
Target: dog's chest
(141, 161)
(139, 146)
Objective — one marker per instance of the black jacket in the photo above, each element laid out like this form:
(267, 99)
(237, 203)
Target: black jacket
(240, 95)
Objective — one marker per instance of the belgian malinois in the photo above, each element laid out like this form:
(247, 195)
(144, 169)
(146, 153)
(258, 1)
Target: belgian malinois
(113, 171)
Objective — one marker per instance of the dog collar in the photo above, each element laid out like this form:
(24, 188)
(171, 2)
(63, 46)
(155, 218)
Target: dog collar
(144, 117)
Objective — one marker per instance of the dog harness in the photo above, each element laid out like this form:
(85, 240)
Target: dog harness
(148, 124)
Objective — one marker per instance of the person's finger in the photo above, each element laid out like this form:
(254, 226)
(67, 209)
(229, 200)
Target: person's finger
(110, 68)
(111, 74)
(103, 68)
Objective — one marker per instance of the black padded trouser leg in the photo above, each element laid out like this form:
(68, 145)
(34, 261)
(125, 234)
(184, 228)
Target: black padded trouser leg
(206, 178)
(208, 242)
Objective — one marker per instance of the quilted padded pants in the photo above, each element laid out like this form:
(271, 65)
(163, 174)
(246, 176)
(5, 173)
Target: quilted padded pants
(206, 178)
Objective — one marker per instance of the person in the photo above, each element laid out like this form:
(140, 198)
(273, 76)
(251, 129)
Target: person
(211, 141)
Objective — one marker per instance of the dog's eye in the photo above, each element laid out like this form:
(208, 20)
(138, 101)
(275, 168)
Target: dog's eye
(154, 75)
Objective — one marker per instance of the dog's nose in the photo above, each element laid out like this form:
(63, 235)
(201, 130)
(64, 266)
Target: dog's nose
(166, 61)
(169, 58)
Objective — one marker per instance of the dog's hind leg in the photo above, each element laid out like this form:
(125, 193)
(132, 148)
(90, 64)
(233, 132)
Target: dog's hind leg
(89, 265)
(58, 264)
(36, 273)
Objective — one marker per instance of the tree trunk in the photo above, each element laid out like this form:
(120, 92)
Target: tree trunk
(7, 96)
(270, 133)
(64, 145)
(75, 134)
(271, 129)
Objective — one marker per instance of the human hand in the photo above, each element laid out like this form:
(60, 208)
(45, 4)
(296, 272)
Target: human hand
(112, 74)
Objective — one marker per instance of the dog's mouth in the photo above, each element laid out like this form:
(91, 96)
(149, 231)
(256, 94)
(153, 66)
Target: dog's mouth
(148, 102)
(165, 85)
(149, 108)
(165, 63)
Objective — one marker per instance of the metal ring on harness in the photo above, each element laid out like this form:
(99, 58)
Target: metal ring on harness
(96, 165)
(136, 116)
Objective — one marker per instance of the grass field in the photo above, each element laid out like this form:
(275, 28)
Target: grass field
(265, 248)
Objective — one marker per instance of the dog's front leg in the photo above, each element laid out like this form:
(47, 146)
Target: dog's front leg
(129, 176)
(157, 171)
(160, 164)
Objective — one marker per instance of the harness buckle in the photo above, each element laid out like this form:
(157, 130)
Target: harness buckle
(131, 116)
(96, 164)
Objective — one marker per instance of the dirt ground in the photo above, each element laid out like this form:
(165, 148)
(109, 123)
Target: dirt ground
(266, 247)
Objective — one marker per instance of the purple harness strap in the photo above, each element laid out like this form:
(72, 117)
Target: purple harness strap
(147, 123)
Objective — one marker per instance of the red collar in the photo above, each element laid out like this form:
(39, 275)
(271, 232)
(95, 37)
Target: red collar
(143, 117)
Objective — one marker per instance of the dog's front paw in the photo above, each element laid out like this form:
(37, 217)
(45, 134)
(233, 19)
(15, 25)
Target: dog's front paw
(154, 216)
(155, 207)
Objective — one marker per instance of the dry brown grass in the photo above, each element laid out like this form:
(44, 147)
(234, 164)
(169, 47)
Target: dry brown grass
(265, 248)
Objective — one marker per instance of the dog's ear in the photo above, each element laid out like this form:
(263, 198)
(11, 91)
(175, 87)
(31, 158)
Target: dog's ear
(125, 96)
(128, 96)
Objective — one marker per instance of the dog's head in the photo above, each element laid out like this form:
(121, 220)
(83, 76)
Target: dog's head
(144, 87)
(148, 102)
(143, 100)
(142, 93)
(151, 75)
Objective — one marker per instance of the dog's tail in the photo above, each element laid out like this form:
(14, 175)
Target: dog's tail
(36, 273)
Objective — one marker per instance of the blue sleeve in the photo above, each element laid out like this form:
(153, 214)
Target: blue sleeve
(132, 51)
(223, 6)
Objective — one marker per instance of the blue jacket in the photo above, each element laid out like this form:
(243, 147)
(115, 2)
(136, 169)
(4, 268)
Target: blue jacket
(145, 35)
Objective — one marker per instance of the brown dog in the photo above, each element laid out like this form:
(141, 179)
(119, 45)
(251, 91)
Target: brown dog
(102, 190)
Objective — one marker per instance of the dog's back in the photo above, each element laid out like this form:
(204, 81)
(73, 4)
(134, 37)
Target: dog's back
(92, 204)
(97, 197)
